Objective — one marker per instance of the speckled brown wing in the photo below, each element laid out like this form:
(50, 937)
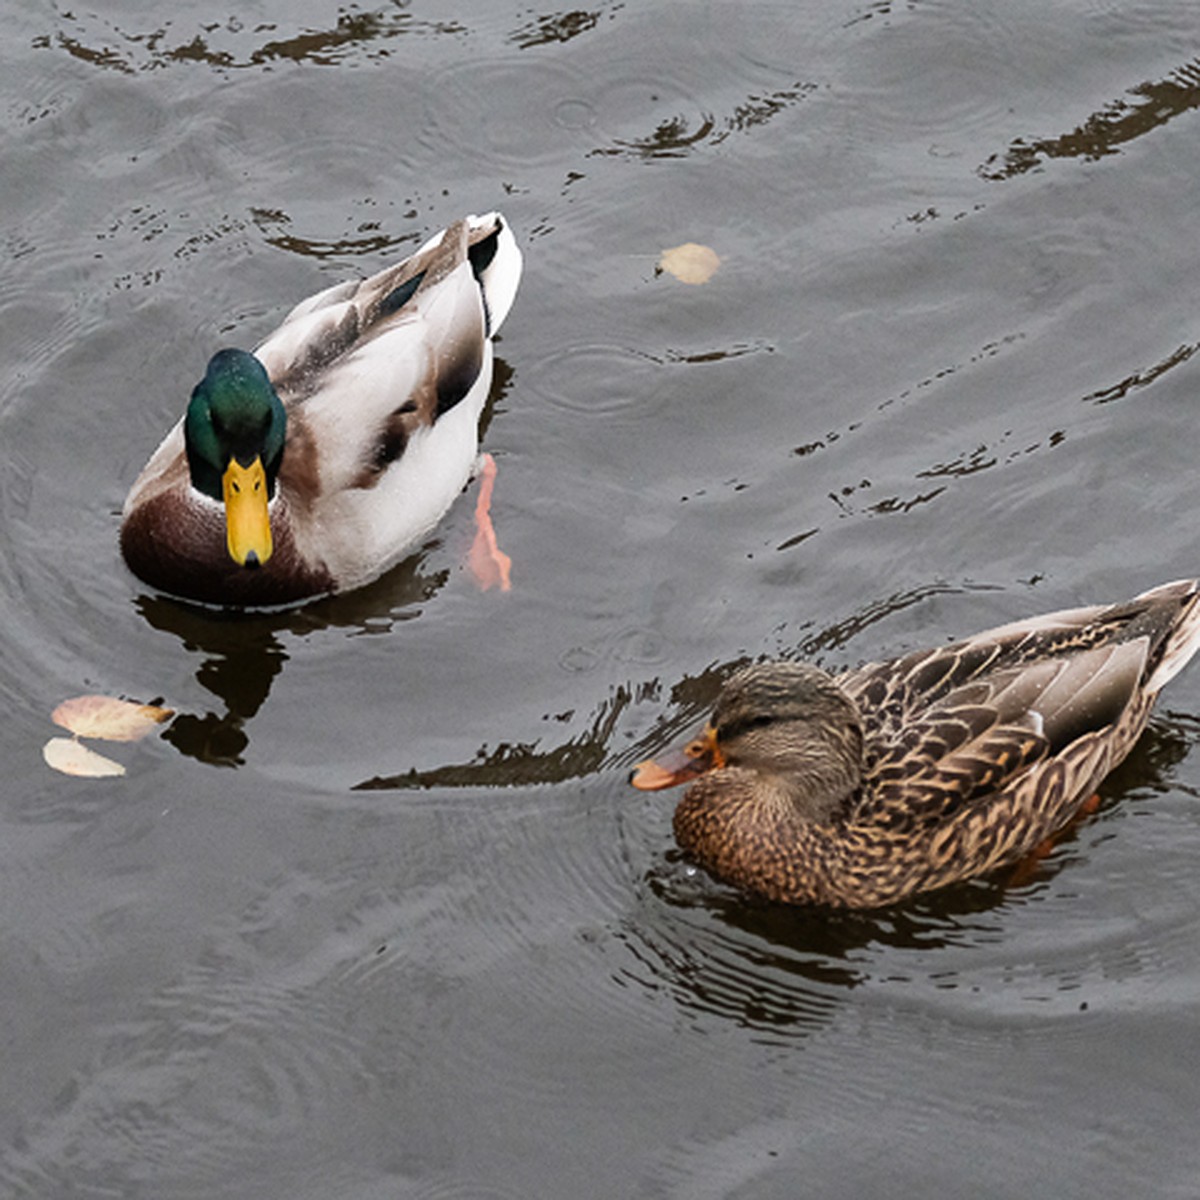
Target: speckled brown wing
(978, 751)
(927, 759)
(1156, 615)
(974, 753)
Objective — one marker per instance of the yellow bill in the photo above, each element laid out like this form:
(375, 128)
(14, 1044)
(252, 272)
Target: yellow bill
(247, 525)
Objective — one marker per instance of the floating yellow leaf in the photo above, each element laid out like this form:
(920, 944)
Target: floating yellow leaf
(72, 757)
(108, 718)
(690, 263)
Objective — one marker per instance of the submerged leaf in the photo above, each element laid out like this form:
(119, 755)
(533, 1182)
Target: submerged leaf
(690, 263)
(72, 757)
(109, 718)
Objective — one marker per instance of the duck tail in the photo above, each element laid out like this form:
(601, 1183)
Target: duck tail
(496, 260)
(1183, 639)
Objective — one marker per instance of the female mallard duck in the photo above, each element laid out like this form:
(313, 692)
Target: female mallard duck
(318, 461)
(906, 775)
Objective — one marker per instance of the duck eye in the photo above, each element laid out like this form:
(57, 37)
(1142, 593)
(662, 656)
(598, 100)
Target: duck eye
(741, 726)
(695, 749)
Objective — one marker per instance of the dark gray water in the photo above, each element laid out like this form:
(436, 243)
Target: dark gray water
(377, 916)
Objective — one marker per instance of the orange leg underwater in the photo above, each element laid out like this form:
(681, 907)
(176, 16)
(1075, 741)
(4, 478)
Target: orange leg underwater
(489, 564)
(1026, 868)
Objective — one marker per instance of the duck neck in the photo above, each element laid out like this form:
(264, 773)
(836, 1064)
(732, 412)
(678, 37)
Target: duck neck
(764, 832)
(815, 776)
(814, 793)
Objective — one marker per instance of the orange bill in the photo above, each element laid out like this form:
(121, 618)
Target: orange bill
(247, 525)
(678, 766)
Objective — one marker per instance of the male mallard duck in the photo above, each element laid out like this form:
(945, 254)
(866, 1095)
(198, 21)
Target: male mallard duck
(902, 776)
(318, 461)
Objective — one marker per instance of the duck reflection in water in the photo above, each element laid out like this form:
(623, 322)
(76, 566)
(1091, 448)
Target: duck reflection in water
(245, 652)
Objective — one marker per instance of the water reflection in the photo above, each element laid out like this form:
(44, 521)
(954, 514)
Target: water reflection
(673, 137)
(1140, 379)
(239, 665)
(559, 27)
(369, 237)
(782, 970)
(232, 45)
(1003, 446)
(353, 31)
(243, 653)
(676, 134)
(1104, 132)
(523, 763)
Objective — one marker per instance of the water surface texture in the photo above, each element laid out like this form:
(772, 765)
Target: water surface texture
(376, 917)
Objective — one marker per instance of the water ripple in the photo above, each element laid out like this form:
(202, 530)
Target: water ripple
(600, 380)
(268, 1040)
(657, 117)
(502, 111)
(597, 380)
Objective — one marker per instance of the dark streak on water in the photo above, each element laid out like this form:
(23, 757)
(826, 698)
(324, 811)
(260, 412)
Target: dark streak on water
(377, 915)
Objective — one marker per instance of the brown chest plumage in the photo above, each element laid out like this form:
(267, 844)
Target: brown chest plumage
(180, 549)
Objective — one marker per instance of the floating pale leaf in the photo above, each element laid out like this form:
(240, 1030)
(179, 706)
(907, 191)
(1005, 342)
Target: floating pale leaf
(109, 718)
(74, 758)
(690, 263)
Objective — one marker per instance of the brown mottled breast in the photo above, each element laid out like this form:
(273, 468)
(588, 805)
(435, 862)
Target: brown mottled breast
(179, 547)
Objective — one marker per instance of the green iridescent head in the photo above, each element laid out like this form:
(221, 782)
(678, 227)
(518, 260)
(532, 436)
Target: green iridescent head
(234, 432)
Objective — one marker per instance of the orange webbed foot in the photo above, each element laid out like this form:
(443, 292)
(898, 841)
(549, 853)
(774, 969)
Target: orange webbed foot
(489, 564)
